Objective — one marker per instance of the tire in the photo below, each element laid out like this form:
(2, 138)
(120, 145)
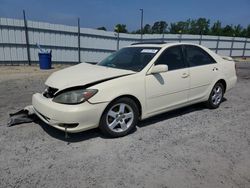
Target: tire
(119, 118)
(216, 96)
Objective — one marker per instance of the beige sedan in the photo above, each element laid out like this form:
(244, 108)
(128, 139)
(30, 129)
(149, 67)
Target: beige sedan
(134, 83)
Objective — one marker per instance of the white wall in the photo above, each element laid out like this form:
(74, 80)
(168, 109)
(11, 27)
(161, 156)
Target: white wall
(95, 44)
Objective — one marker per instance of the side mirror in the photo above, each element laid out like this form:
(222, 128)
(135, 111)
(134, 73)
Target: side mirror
(159, 68)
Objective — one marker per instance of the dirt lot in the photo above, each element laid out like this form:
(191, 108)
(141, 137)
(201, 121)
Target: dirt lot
(190, 147)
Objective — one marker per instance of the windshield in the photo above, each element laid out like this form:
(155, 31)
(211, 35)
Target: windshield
(132, 58)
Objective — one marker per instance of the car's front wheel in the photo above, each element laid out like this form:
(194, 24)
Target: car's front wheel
(119, 118)
(216, 96)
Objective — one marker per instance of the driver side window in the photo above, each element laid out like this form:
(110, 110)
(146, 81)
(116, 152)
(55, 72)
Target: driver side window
(172, 57)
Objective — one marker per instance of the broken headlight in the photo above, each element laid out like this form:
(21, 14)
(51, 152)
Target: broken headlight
(75, 96)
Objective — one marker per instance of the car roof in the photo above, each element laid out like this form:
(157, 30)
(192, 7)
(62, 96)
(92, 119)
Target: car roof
(160, 44)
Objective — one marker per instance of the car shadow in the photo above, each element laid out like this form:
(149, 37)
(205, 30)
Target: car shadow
(171, 114)
(69, 137)
(72, 137)
(174, 113)
(93, 133)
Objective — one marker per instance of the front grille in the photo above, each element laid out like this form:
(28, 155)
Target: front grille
(49, 92)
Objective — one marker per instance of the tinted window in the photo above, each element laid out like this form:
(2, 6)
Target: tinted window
(172, 57)
(132, 58)
(196, 56)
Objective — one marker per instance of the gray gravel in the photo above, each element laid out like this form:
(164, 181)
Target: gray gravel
(190, 147)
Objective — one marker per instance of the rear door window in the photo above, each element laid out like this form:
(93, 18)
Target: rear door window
(196, 56)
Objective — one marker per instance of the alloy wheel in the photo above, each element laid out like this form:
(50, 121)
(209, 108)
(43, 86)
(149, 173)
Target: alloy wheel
(217, 95)
(120, 117)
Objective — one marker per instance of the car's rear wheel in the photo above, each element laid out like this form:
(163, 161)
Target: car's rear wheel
(119, 118)
(216, 96)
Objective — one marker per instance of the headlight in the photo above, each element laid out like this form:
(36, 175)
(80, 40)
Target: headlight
(75, 96)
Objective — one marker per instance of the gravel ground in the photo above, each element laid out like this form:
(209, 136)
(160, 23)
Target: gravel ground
(190, 147)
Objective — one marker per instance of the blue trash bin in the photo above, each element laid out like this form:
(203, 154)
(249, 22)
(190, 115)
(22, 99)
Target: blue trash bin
(45, 60)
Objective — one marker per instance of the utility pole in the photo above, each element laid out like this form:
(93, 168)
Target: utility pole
(141, 22)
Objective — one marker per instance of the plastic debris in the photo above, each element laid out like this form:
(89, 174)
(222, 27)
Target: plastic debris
(43, 51)
(25, 115)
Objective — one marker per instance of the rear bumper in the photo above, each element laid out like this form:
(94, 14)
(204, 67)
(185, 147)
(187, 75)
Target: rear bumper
(231, 82)
(76, 118)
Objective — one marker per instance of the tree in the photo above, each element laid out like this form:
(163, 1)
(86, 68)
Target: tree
(203, 25)
(216, 29)
(246, 32)
(120, 28)
(200, 26)
(238, 30)
(102, 28)
(147, 29)
(179, 27)
(159, 27)
(228, 31)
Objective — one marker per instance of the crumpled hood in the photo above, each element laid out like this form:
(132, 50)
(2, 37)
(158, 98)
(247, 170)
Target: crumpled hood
(82, 74)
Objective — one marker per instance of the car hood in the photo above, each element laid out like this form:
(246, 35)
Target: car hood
(83, 74)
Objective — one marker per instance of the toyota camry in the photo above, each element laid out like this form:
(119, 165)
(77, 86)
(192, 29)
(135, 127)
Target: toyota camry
(134, 83)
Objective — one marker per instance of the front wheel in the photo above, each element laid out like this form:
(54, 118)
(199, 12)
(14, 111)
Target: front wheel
(119, 118)
(216, 96)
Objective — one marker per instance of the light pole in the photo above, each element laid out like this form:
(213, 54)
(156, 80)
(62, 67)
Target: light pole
(141, 22)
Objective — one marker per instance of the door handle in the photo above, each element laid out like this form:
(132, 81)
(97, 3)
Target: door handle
(215, 69)
(185, 75)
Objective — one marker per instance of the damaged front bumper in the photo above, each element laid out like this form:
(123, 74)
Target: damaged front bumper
(74, 118)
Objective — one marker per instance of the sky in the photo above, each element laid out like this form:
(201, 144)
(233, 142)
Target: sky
(108, 13)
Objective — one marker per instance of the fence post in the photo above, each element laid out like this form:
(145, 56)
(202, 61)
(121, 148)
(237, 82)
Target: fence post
(200, 39)
(180, 37)
(231, 50)
(79, 41)
(217, 44)
(118, 41)
(26, 37)
(244, 49)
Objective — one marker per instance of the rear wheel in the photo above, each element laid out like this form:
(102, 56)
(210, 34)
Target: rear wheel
(119, 118)
(216, 96)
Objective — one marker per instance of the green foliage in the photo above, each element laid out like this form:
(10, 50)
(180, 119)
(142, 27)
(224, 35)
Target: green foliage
(102, 28)
(246, 32)
(237, 30)
(216, 29)
(228, 31)
(180, 27)
(200, 26)
(120, 28)
(147, 29)
(159, 27)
